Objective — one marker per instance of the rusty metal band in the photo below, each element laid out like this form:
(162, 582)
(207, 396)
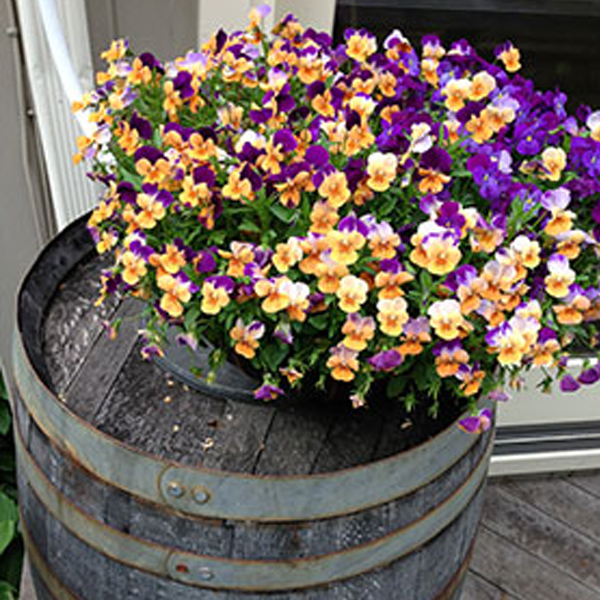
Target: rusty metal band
(58, 590)
(38, 563)
(237, 496)
(248, 575)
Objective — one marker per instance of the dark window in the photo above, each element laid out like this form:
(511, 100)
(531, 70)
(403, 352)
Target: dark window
(559, 40)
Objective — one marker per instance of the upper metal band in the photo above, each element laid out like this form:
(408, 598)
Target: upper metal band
(237, 496)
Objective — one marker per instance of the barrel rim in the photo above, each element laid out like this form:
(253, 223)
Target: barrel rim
(34, 369)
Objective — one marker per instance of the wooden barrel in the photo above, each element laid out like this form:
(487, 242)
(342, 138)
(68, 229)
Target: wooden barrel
(133, 486)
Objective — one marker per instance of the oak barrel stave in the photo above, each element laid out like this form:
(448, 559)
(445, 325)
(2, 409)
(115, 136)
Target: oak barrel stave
(58, 490)
(244, 540)
(90, 575)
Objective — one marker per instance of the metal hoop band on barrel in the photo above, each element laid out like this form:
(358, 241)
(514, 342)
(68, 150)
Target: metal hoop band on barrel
(248, 575)
(236, 496)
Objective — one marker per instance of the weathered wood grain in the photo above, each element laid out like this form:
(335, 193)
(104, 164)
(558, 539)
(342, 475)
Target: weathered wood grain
(75, 564)
(73, 323)
(560, 499)
(571, 553)
(521, 573)
(102, 363)
(589, 481)
(477, 588)
(237, 539)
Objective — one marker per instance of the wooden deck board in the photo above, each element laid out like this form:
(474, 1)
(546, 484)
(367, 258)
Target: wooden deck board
(540, 540)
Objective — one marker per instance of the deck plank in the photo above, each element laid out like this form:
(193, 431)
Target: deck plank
(589, 481)
(526, 526)
(560, 499)
(477, 588)
(522, 574)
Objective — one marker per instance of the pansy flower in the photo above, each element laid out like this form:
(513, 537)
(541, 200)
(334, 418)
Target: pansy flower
(446, 319)
(287, 255)
(359, 44)
(216, 291)
(556, 202)
(510, 57)
(359, 331)
(343, 363)
(268, 391)
(134, 267)
(381, 170)
(329, 273)
(416, 332)
(554, 161)
(471, 379)
(560, 276)
(352, 293)
(593, 124)
(575, 305)
(177, 291)
(347, 240)
(392, 315)
(478, 423)
(386, 360)
(546, 347)
(171, 260)
(449, 356)
(391, 278)
(334, 188)
(247, 337)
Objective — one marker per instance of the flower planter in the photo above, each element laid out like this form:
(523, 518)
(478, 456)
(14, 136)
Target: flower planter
(132, 486)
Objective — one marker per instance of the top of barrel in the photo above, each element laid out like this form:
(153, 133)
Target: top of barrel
(110, 386)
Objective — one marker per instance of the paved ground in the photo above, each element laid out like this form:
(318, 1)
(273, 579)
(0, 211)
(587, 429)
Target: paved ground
(540, 540)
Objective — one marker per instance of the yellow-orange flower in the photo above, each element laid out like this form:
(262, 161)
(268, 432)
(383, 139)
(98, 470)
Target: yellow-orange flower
(511, 58)
(334, 188)
(360, 47)
(482, 85)
(554, 161)
(287, 255)
(214, 298)
(456, 92)
(238, 188)
(343, 363)
(446, 319)
(152, 211)
(358, 331)
(352, 293)
(274, 294)
(381, 169)
(246, 337)
(392, 315)
(172, 260)
(345, 245)
(323, 217)
(176, 293)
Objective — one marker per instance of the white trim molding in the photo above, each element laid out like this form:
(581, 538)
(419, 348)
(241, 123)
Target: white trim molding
(58, 70)
(544, 462)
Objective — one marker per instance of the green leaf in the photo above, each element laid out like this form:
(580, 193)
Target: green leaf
(7, 591)
(249, 226)
(7, 460)
(4, 419)
(282, 213)
(8, 521)
(3, 392)
(273, 355)
(320, 322)
(425, 280)
(396, 386)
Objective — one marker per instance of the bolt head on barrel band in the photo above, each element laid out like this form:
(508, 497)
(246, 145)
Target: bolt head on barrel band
(175, 489)
(200, 495)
